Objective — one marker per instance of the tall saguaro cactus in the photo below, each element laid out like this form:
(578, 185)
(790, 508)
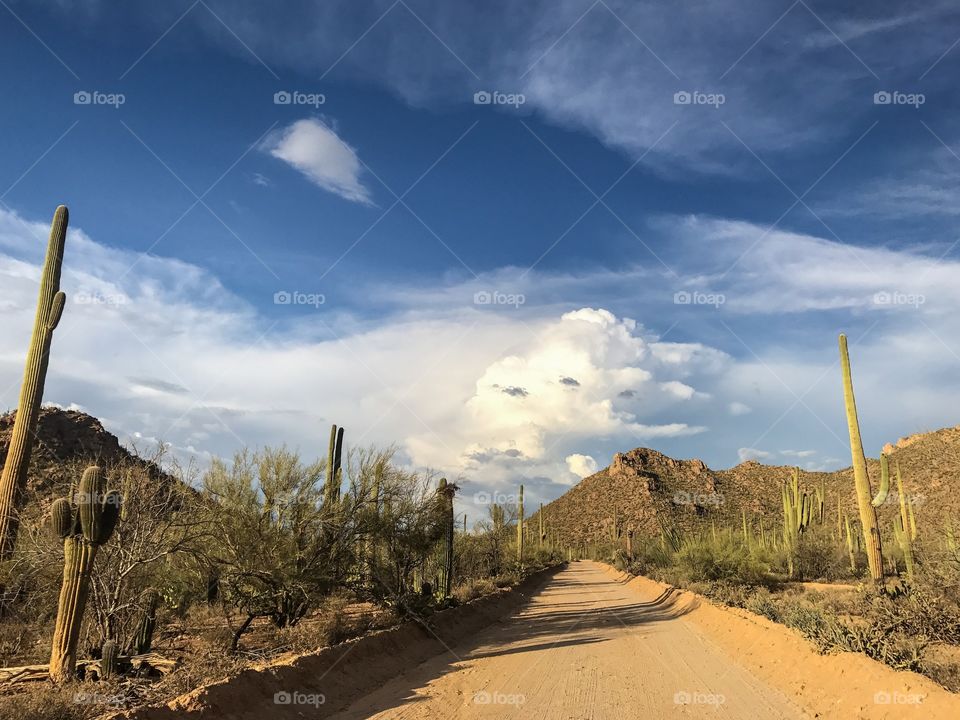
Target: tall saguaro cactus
(49, 310)
(520, 528)
(84, 526)
(543, 532)
(868, 514)
(445, 494)
(331, 491)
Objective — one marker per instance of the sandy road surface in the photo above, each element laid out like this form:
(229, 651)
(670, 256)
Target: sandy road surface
(585, 647)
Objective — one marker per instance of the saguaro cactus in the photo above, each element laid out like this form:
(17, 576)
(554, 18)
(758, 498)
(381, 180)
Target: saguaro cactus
(903, 531)
(108, 660)
(851, 550)
(331, 490)
(49, 310)
(868, 515)
(796, 516)
(520, 528)
(543, 534)
(84, 527)
(445, 495)
(821, 493)
(143, 640)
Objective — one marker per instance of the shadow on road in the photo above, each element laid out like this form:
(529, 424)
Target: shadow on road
(550, 620)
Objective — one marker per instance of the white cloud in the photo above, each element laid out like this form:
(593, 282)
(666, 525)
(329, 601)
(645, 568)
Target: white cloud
(798, 453)
(497, 395)
(746, 453)
(581, 465)
(316, 151)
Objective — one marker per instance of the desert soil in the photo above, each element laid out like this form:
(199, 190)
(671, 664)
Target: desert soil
(589, 645)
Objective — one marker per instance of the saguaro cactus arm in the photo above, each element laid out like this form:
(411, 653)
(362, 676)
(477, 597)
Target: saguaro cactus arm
(881, 497)
(50, 304)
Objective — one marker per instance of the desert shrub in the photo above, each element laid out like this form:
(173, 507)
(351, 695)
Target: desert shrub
(721, 559)
(465, 592)
(819, 557)
(331, 624)
(762, 603)
(43, 701)
(647, 557)
(731, 594)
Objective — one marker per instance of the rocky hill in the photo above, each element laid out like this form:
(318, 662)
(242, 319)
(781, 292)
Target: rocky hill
(643, 487)
(67, 440)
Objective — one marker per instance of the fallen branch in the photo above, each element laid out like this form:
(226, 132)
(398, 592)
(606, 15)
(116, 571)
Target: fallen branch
(146, 661)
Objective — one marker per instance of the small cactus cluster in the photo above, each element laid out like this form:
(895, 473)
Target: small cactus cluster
(84, 523)
(797, 511)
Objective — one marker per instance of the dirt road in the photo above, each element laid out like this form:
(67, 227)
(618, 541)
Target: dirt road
(585, 647)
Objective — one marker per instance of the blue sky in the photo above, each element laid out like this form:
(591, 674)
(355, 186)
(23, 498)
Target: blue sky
(787, 199)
